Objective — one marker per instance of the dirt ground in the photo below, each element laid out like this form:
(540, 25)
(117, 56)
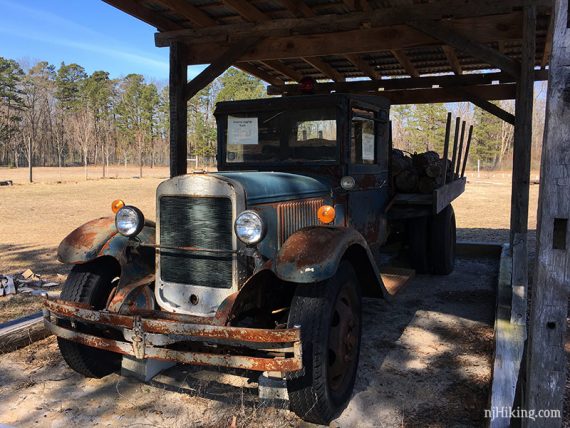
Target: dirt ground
(425, 361)
(426, 358)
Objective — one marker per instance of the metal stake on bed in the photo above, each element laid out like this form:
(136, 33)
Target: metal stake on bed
(455, 140)
(446, 146)
(467, 150)
(460, 151)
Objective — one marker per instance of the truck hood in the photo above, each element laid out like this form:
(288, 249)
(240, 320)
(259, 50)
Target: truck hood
(266, 187)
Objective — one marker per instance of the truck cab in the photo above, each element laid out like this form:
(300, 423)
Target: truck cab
(261, 265)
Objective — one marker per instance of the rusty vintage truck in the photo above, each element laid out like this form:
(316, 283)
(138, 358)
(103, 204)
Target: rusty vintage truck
(262, 265)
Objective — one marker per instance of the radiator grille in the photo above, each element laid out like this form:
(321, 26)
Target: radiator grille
(203, 222)
(293, 216)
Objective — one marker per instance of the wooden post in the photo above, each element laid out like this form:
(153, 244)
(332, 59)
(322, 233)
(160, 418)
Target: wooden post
(178, 110)
(546, 364)
(521, 167)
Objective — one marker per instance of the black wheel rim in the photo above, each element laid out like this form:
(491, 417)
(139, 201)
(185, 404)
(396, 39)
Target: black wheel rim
(344, 338)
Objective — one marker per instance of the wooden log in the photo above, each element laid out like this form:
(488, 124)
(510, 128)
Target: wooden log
(22, 332)
(426, 185)
(406, 181)
(547, 363)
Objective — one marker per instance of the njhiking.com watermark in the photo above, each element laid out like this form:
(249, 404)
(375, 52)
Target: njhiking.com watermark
(507, 412)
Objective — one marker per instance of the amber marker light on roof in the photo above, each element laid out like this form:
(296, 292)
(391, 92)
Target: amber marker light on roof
(326, 214)
(117, 205)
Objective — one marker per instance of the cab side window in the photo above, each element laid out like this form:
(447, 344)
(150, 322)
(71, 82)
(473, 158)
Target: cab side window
(363, 139)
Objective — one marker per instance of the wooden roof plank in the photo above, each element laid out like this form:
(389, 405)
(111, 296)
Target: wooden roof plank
(325, 68)
(453, 38)
(405, 62)
(496, 15)
(145, 15)
(192, 13)
(299, 8)
(360, 41)
(548, 43)
(248, 11)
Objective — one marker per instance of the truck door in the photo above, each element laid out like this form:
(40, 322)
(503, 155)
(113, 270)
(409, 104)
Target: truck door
(368, 165)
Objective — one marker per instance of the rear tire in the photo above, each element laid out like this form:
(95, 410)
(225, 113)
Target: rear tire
(442, 241)
(418, 237)
(329, 314)
(89, 283)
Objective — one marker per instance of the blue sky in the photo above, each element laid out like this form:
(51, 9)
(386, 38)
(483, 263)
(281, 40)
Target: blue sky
(88, 32)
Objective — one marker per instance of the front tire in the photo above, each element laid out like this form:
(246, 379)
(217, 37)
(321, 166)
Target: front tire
(329, 314)
(89, 283)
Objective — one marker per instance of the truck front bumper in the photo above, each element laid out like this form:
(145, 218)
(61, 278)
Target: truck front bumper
(154, 334)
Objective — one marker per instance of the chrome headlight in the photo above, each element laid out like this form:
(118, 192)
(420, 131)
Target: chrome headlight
(249, 227)
(129, 221)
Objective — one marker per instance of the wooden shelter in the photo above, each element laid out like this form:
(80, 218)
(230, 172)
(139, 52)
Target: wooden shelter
(410, 51)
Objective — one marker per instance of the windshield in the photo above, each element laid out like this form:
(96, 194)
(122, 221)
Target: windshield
(280, 136)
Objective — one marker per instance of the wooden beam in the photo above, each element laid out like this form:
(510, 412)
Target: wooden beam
(299, 8)
(356, 41)
(178, 110)
(349, 4)
(521, 167)
(452, 58)
(548, 43)
(405, 62)
(217, 67)
(259, 73)
(325, 68)
(447, 95)
(360, 86)
(247, 10)
(451, 37)
(363, 66)
(501, 24)
(192, 13)
(284, 69)
(145, 15)
(364, 5)
(490, 107)
(546, 364)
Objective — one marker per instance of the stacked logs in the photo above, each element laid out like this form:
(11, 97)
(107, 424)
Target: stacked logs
(419, 172)
(425, 172)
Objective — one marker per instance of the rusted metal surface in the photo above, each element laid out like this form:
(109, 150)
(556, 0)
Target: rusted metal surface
(245, 362)
(295, 215)
(170, 327)
(137, 329)
(85, 242)
(136, 295)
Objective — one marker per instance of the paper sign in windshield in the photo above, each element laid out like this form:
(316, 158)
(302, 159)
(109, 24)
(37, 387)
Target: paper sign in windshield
(242, 130)
(367, 146)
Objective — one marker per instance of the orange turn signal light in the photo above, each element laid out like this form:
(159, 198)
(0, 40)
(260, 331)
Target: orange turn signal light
(117, 205)
(326, 214)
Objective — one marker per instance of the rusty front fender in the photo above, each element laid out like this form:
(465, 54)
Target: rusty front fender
(313, 254)
(99, 238)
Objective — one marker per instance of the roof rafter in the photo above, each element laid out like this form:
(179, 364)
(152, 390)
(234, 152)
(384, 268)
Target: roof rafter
(325, 68)
(405, 62)
(192, 13)
(247, 10)
(259, 73)
(452, 58)
(363, 65)
(299, 8)
(145, 15)
(284, 69)
(453, 38)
